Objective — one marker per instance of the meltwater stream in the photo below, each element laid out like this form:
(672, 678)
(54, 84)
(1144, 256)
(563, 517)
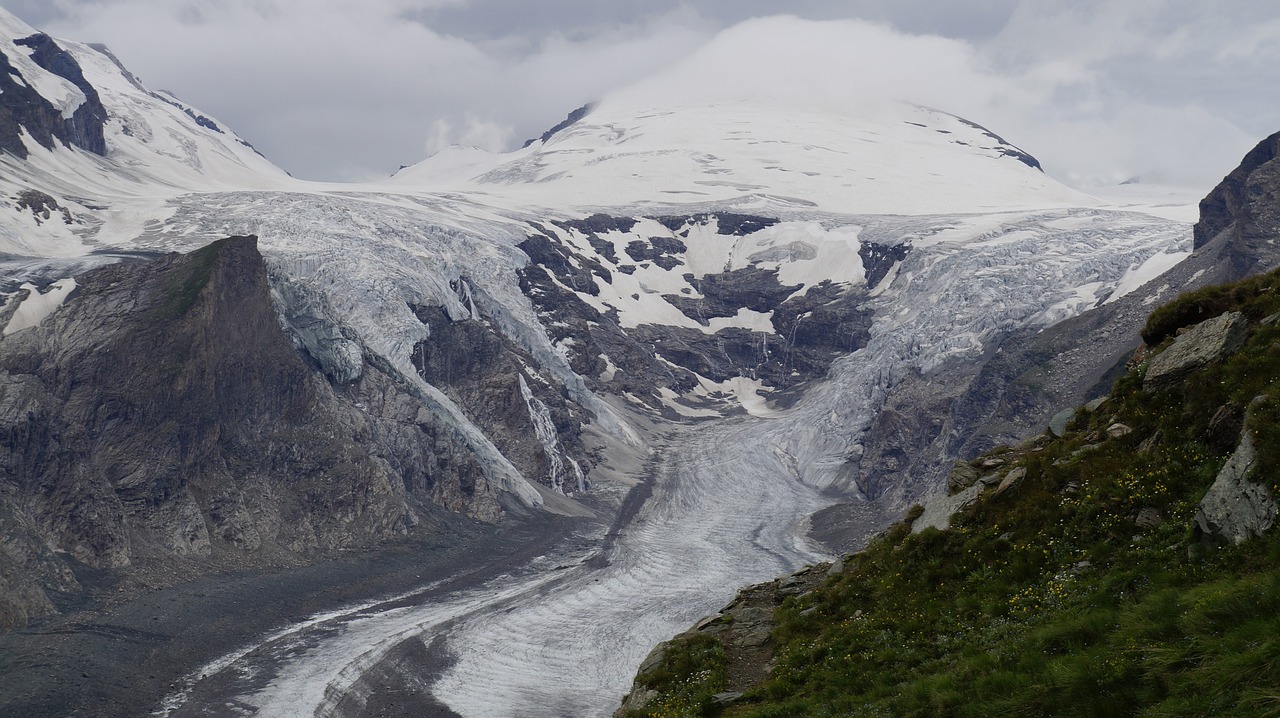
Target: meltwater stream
(550, 640)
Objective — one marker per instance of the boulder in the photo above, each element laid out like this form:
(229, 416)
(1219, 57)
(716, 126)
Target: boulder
(1236, 508)
(1058, 424)
(939, 509)
(1224, 428)
(962, 476)
(1204, 343)
(1148, 518)
(1118, 430)
(1011, 480)
(654, 659)
(724, 700)
(991, 479)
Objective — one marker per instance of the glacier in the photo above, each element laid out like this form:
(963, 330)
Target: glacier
(943, 236)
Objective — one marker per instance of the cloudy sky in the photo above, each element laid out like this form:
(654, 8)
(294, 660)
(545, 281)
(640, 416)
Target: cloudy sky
(1174, 91)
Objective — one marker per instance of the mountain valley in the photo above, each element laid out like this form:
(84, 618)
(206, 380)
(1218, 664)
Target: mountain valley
(470, 440)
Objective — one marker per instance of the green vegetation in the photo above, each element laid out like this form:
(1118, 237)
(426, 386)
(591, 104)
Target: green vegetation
(691, 671)
(1256, 296)
(1084, 591)
(184, 287)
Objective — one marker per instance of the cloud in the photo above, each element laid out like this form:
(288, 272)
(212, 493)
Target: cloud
(1065, 105)
(340, 89)
(474, 132)
(1173, 90)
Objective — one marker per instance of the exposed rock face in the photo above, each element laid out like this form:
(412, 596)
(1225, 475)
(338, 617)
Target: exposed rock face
(1204, 343)
(23, 108)
(878, 259)
(564, 124)
(939, 510)
(162, 412)
(1235, 507)
(1239, 203)
(811, 326)
(43, 207)
(481, 371)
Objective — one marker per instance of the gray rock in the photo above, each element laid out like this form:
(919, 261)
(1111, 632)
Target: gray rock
(1224, 427)
(991, 479)
(1149, 444)
(1118, 430)
(1096, 404)
(754, 638)
(1058, 424)
(1012, 480)
(653, 660)
(1204, 343)
(939, 509)
(637, 699)
(726, 699)
(962, 475)
(706, 621)
(1235, 507)
(1148, 518)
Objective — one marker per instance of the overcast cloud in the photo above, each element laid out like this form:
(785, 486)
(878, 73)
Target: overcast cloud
(1171, 90)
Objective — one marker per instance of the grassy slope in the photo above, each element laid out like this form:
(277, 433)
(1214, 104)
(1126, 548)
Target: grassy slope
(1052, 599)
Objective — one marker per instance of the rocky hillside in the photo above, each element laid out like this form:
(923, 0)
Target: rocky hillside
(161, 414)
(1121, 563)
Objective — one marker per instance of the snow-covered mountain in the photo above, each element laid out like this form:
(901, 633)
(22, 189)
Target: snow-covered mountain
(749, 309)
(888, 158)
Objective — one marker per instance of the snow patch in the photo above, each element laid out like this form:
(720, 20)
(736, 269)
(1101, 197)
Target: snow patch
(39, 305)
(1153, 267)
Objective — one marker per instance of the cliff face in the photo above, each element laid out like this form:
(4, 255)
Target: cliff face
(161, 413)
(23, 108)
(1238, 203)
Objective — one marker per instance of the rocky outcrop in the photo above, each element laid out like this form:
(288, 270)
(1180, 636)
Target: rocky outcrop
(483, 372)
(564, 124)
(1237, 508)
(1237, 205)
(879, 259)
(744, 629)
(162, 414)
(1204, 343)
(22, 108)
(812, 326)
